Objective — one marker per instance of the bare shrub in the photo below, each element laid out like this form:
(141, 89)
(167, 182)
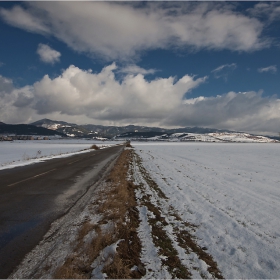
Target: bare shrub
(26, 157)
(94, 147)
(128, 145)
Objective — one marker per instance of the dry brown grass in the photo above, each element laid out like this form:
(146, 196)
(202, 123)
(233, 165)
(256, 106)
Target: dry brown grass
(77, 265)
(94, 147)
(117, 207)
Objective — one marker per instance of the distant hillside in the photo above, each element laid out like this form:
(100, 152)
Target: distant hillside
(27, 129)
(273, 137)
(92, 130)
(197, 137)
(43, 122)
(149, 133)
(69, 129)
(146, 135)
(112, 131)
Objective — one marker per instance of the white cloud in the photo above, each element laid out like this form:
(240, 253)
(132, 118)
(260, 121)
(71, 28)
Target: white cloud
(47, 54)
(84, 97)
(100, 96)
(122, 30)
(134, 69)
(6, 85)
(268, 10)
(224, 70)
(9, 113)
(244, 111)
(220, 68)
(272, 69)
(19, 17)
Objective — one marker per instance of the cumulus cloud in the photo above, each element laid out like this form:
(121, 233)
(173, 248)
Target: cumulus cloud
(272, 69)
(224, 70)
(115, 30)
(243, 111)
(47, 54)
(6, 85)
(102, 96)
(81, 96)
(9, 95)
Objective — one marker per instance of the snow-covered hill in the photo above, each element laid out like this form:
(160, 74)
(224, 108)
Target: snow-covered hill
(70, 129)
(208, 137)
(241, 137)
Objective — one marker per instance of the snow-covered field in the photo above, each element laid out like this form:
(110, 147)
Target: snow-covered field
(17, 153)
(231, 192)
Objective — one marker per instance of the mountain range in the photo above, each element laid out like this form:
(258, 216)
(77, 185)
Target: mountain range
(27, 129)
(91, 130)
(65, 129)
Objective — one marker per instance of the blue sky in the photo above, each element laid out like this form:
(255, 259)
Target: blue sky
(169, 64)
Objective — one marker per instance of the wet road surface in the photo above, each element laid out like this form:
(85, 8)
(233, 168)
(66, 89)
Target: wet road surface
(33, 196)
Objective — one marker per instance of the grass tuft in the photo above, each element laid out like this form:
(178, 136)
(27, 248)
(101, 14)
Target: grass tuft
(94, 147)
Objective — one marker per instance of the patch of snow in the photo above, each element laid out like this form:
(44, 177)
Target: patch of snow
(105, 258)
(149, 255)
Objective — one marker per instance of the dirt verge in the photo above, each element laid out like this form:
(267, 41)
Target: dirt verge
(119, 222)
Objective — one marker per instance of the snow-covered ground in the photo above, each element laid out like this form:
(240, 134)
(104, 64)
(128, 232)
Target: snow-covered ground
(18, 153)
(231, 192)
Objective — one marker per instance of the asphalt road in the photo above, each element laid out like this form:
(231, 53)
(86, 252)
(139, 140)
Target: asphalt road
(33, 196)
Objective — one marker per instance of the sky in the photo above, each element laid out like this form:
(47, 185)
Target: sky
(167, 64)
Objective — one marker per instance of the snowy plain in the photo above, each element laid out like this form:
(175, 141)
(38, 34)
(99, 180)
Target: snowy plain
(17, 153)
(231, 192)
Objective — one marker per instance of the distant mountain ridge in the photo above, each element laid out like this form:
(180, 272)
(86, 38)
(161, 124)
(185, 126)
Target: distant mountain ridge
(27, 129)
(69, 129)
(130, 132)
(91, 130)
(48, 122)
